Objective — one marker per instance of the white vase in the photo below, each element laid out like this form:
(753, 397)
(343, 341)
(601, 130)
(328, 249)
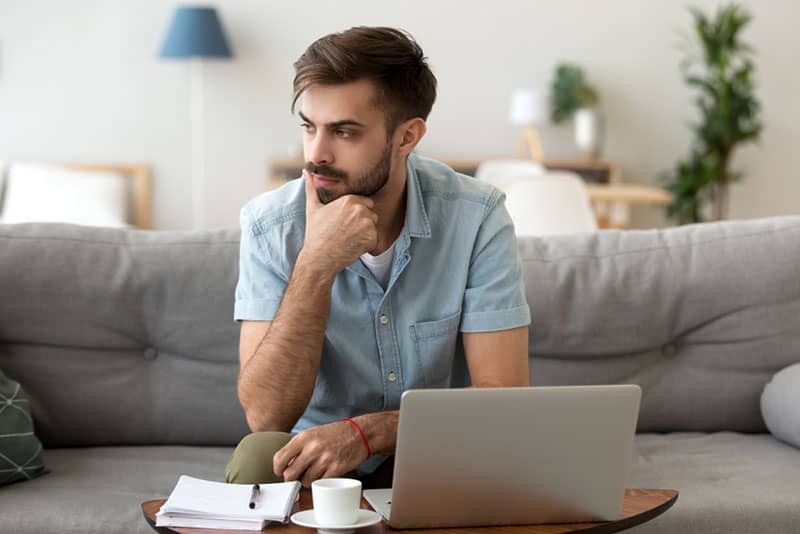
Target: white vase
(589, 132)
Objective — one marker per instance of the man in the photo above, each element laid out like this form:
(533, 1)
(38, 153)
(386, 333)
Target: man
(356, 281)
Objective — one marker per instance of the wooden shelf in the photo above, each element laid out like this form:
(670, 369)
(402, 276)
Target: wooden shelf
(607, 192)
(592, 171)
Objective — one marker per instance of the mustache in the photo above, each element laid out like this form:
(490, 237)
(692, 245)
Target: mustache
(325, 170)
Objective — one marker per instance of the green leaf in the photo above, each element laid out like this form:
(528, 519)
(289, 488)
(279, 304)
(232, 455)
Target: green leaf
(569, 92)
(727, 106)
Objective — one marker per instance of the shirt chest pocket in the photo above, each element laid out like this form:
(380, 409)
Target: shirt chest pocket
(435, 347)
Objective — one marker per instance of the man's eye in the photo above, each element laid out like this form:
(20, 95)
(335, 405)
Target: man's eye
(307, 127)
(343, 133)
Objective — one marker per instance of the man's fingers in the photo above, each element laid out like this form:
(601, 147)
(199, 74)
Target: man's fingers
(331, 472)
(314, 472)
(298, 464)
(312, 198)
(283, 458)
(298, 467)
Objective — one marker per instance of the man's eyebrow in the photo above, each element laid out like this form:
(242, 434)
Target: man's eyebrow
(335, 124)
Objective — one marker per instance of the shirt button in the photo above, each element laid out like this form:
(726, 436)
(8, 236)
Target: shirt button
(383, 319)
(392, 377)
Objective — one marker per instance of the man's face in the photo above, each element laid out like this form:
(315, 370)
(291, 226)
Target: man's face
(346, 146)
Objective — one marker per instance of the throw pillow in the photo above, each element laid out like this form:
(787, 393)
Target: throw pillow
(779, 405)
(49, 193)
(21, 456)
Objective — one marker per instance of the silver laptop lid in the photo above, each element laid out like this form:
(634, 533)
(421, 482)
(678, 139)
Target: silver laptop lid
(501, 456)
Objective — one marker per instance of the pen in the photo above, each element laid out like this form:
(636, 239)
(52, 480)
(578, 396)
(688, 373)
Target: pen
(255, 496)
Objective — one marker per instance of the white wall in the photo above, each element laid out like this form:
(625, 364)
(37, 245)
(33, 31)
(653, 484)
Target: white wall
(81, 81)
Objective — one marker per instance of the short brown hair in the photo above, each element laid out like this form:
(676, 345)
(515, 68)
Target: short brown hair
(390, 58)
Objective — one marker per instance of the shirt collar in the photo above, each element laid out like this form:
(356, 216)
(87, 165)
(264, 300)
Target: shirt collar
(417, 222)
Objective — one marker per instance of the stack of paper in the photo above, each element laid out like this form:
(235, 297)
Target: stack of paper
(204, 504)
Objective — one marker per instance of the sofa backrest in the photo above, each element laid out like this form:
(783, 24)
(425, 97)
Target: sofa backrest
(700, 316)
(122, 336)
(127, 337)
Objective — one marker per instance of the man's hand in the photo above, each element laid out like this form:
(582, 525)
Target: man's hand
(322, 451)
(339, 232)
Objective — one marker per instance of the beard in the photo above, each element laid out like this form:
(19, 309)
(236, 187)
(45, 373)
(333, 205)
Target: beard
(366, 184)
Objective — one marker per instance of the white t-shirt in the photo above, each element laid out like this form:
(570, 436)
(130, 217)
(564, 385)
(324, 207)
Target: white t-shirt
(380, 266)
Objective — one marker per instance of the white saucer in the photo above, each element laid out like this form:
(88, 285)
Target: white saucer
(365, 519)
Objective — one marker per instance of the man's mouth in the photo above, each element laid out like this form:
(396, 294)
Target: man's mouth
(323, 181)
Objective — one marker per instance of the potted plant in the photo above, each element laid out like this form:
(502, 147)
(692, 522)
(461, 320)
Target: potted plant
(728, 110)
(571, 95)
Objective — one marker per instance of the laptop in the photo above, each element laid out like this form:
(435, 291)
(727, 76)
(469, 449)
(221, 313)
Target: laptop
(510, 456)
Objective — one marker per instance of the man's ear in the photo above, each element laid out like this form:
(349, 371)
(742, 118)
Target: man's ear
(410, 133)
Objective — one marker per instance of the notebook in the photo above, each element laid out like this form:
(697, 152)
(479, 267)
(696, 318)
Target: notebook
(197, 503)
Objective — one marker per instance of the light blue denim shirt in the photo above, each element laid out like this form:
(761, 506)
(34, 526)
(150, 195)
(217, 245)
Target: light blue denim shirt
(456, 269)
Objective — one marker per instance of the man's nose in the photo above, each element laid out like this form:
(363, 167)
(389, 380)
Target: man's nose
(318, 150)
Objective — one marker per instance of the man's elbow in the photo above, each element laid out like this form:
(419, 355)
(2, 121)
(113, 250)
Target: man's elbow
(261, 420)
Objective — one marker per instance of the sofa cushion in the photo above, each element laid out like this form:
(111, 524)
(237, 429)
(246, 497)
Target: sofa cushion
(100, 490)
(699, 316)
(780, 405)
(122, 336)
(729, 483)
(21, 455)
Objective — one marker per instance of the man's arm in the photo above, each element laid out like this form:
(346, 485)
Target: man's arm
(279, 359)
(498, 359)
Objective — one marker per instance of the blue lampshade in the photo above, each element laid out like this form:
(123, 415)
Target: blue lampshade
(195, 32)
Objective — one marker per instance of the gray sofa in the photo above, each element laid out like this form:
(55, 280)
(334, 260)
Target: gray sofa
(124, 341)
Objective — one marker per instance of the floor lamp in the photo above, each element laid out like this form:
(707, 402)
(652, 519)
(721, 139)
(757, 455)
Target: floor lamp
(196, 33)
(528, 110)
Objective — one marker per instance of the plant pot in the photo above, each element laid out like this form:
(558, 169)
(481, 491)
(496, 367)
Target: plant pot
(589, 132)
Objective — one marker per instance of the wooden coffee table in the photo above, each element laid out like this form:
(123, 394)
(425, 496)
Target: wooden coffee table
(639, 506)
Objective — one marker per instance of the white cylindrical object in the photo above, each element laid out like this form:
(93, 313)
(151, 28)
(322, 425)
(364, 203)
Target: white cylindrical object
(588, 132)
(336, 501)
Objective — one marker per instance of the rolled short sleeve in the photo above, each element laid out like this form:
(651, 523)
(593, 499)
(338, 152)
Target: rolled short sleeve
(495, 296)
(261, 284)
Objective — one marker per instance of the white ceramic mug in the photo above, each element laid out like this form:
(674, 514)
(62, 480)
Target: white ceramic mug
(336, 501)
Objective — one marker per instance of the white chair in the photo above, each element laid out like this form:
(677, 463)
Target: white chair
(502, 172)
(548, 204)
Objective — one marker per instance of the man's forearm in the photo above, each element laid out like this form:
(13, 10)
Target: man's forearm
(381, 430)
(276, 383)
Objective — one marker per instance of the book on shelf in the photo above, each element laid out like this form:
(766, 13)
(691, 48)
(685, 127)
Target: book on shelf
(198, 503)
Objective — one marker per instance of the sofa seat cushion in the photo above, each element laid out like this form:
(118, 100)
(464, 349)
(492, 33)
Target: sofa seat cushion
(100, 490)
(728, 482)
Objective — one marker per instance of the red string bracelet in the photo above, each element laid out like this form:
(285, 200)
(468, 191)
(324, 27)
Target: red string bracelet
(363, 436)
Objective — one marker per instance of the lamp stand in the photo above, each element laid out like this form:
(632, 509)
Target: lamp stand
(530, 144)
(198, 144)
